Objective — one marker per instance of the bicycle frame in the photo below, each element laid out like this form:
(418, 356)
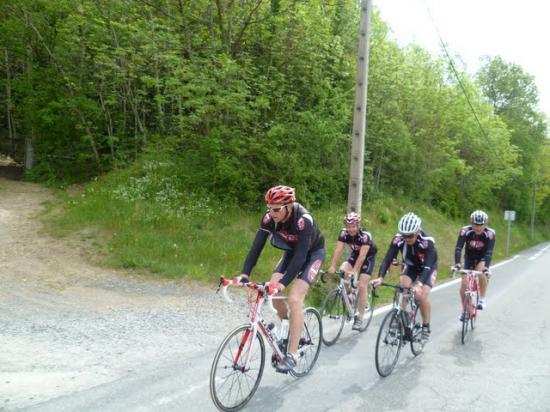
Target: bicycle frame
(409, 308)
(343, 290)
(239, 362)
(345, 293)
(256, 321)
(390, 338)
(471, 290)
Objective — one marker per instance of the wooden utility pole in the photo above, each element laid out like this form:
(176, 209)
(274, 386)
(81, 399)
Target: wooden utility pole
(355, 187)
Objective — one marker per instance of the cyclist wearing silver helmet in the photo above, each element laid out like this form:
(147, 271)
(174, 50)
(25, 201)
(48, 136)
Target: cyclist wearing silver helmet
(478, 242)
(420, 264)
(360, 261)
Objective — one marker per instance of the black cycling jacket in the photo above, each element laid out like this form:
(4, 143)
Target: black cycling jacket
(421, 257)
(299, 235)
(478, 247)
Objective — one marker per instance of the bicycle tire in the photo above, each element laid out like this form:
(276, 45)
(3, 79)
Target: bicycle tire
(310, 343)
(465, 318)
(417, 346)
(226, 376)
(388, 343)
(333, 316)
(369, 310)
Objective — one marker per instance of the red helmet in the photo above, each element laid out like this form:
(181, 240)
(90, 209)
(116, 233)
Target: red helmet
(280, 195)
(352, 218)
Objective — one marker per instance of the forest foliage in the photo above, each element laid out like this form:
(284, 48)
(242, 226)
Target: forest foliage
(228, 97)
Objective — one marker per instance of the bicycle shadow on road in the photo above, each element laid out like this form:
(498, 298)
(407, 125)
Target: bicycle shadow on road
(467, 354)
(271, 397)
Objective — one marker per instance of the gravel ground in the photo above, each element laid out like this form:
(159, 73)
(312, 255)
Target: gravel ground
(67, 325)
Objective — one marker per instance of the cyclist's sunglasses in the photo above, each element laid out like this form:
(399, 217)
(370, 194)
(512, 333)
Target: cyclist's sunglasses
(409, 236)
(276, 209)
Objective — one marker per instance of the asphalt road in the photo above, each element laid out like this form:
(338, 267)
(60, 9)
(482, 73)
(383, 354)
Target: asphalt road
(504, 366)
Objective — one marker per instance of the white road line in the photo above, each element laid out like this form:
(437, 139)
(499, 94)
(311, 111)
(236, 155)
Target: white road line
(445, 285)
(539, 253)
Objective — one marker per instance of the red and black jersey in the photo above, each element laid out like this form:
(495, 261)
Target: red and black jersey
(299, 235)
(420, 257)
(476, 247)
(362, 238)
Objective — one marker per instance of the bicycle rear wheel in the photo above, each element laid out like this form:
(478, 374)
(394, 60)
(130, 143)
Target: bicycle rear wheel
(232, 382)
(465, 317)
(388, 343)
(369, 310)
(333, 316)
(310, 343)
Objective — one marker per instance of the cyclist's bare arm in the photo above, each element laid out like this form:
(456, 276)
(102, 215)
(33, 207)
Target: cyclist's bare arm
(336, 256)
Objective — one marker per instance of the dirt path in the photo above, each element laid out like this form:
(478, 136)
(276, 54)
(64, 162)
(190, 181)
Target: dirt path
(66, 325)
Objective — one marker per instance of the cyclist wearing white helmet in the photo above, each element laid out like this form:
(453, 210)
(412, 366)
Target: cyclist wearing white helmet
(360, 261)
(420, 264)
(478, 242)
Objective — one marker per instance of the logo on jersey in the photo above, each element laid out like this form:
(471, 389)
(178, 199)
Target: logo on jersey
(476, 244)
(289, 237)
(301, 224)
(266, 219)
(364, 238)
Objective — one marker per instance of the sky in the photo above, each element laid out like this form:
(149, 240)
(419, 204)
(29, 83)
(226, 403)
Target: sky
(518, 31)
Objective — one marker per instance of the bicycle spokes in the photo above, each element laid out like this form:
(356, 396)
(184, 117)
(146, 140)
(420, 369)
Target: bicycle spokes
(237, 369)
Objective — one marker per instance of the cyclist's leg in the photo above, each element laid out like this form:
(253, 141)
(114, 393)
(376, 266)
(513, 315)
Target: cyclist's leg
(296, 304)
(423, 298)
(469, 264)
(482, 280)
(424, 301)
(298, 294)
(364, 277)
(280, 305)
(406, 280)
(346, 266)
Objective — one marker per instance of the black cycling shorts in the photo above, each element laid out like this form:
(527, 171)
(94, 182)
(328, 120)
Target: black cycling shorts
(309, 270)
(368, 264)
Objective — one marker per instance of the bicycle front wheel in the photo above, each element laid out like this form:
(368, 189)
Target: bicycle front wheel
(237, 369)
(388, 343)
(465, 317)
(310, 343)
(333, 316)
(369, 310)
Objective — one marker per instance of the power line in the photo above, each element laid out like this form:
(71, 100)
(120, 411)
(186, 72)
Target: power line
(455, 71)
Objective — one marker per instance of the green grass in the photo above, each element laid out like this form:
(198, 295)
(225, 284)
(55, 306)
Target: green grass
(153, 228)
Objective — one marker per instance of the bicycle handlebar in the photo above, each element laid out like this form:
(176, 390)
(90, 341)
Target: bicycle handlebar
(464, 271)
(264, 288)
(391, 285)
(340, 273)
